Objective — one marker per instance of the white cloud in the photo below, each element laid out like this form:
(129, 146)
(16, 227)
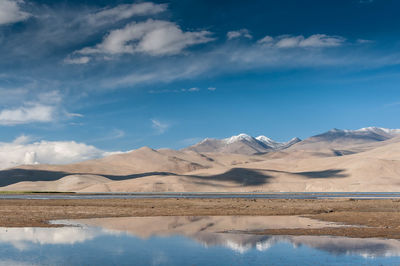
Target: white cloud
(212, 89)
(25, 238)
(153, 37)
(288, 41)
(159, 126)
(125, 11)
(23, 151)
(193, 89)
(10, 11)
(266, 40)
(27, 114)
(239, 33)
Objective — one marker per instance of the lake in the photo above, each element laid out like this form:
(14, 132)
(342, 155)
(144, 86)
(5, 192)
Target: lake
(216, 240)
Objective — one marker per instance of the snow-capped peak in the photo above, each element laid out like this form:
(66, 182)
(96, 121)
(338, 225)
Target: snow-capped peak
(379, 129)
(239, 137)
(294, 140)
(265, 140)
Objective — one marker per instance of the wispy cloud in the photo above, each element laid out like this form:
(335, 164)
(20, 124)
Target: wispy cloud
(77, 60)
(239, 33)
(276, 52)
(44, 107)
(288, 41)
(125, 11)
(74, 115)
(193, 89)
(159, 126)
(11, 11)
(392, 104)
(190, 141)
(112, 135)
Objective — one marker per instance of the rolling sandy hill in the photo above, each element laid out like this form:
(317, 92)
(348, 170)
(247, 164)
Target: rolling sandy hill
(368, 165)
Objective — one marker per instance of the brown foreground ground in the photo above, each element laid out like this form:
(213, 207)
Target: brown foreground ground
(372, 218)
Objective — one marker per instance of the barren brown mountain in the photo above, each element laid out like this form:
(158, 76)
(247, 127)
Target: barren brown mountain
(362, 160)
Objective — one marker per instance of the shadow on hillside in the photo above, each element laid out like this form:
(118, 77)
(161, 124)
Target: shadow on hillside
(12, 176)
(331, 173)
(240, 176)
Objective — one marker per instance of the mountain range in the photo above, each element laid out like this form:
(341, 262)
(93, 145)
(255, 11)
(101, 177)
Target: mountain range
(335, 138)
(366, 159)
(242, 144)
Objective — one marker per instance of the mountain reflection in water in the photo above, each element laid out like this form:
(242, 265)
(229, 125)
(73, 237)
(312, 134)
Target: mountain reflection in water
(175, 240)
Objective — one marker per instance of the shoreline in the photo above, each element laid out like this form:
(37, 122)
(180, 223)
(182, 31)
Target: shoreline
(368, 218)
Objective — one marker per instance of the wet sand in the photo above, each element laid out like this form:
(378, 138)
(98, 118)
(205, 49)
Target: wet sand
(373, 218)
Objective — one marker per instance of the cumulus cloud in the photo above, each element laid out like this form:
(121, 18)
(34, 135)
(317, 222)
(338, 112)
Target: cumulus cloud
(125, 11)
(288, 41)
(239, 33)
(159, 126)
(27, 114)
(24, 151)
(153, 37)
(10, 11)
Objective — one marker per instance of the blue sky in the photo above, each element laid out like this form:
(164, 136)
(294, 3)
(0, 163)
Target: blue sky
(118, 75)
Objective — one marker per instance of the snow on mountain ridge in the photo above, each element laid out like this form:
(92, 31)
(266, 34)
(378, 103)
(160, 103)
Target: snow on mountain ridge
(239, 137)
(377, 129)
(262, 140)
(265, 139)
(369, 129)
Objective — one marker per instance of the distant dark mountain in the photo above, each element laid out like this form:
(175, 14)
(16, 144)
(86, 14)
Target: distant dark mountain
(241, 144)
(338, 138)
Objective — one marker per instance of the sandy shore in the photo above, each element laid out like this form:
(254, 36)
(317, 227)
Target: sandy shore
(373, 218)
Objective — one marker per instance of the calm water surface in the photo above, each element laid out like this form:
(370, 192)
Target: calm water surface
(185, 241)
(277, 195)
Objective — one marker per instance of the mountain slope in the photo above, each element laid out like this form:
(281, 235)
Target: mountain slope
(241, 144)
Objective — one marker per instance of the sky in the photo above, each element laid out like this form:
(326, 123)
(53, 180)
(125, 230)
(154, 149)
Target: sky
(84, 79)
